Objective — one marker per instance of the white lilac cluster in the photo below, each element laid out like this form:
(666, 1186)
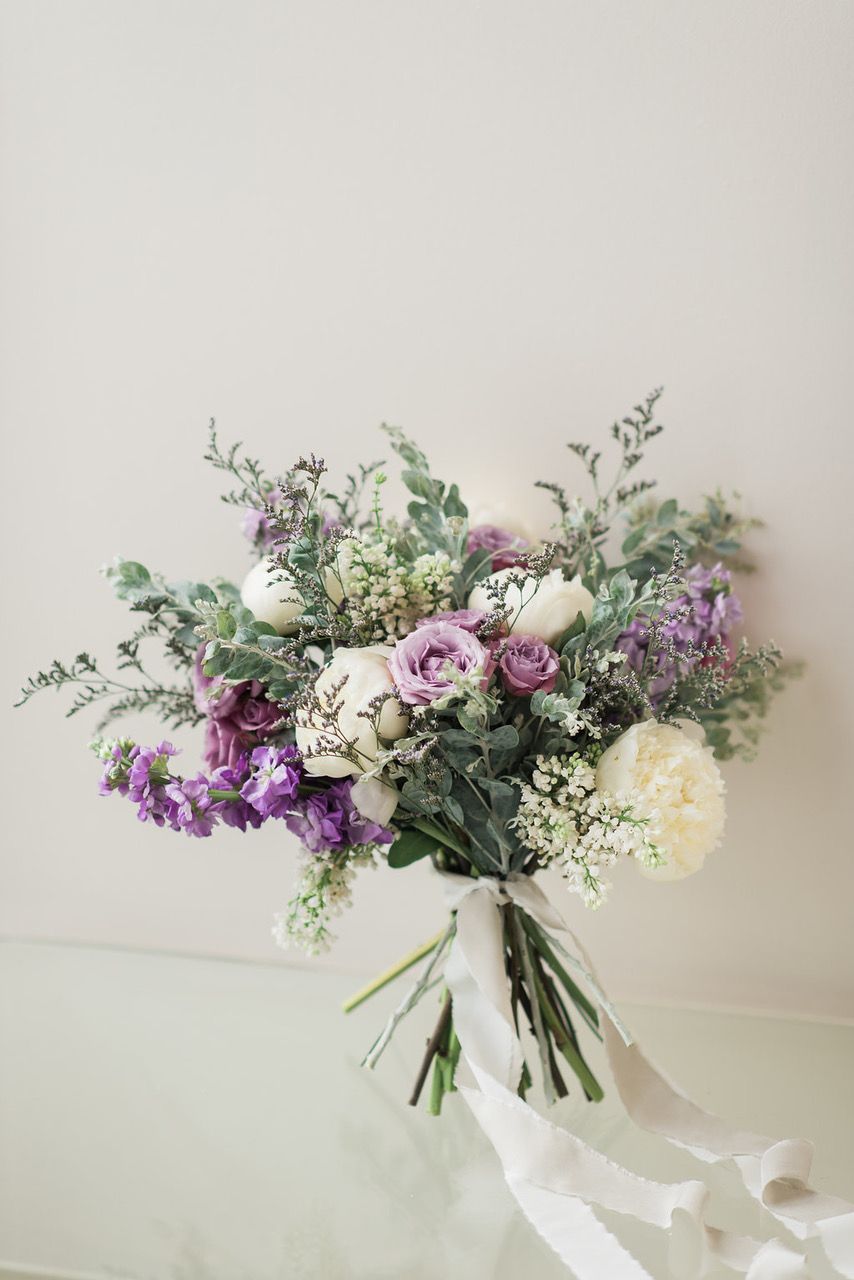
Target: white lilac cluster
(386, 595)
(324, 889)
(566, 820)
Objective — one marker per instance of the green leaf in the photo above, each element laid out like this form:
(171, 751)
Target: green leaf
(409, 847)
(225, 624)
(577, 629)
(633, 541)
(505, 738)
(454, 505)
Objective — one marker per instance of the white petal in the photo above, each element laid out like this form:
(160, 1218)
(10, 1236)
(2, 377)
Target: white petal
(374, 799)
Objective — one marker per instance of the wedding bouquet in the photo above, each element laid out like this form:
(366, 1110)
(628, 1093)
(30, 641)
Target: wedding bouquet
(397, 688)
(425, 687)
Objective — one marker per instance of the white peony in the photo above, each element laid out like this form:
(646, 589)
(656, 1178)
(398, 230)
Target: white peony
(272, 597)
(545, 609)
(367, 675)
(671, 778)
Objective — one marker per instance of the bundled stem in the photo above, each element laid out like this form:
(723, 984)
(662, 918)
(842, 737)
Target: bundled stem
(541, 994)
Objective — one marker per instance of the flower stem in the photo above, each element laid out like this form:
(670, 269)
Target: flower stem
(433, 1045)
(389, 975)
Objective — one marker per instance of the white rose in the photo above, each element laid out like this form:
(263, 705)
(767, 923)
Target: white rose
(672, 778)
(545, 609)
(272, 597)
(367, 675)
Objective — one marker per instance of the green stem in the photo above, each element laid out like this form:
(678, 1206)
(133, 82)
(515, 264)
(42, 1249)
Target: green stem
(589, 1083)
(530, 977)
(543, 945)
(395, 970)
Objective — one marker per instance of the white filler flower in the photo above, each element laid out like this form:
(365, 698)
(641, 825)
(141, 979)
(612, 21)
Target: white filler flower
(544, 608)
(672, 779)
(366, 676)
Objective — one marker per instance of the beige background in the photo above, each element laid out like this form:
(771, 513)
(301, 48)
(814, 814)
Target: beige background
(498, 225)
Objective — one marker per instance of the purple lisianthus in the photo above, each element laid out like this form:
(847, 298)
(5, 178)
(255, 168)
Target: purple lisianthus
(193, 809)
(467, 619)
(329, 820)
(419, 662)
(504, 546)
(714, 611)
(274, 781)
(527, 664)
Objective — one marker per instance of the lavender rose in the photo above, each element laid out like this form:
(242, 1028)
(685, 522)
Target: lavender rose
(418, 661)
(528, 664)
(504, 546)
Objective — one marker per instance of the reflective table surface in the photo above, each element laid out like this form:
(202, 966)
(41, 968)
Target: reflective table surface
(171, 1118)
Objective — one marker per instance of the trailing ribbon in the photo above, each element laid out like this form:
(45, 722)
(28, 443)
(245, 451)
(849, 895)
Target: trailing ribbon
(559, 1180)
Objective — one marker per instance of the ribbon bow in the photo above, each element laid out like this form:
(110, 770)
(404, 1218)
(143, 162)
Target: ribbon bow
(558, 1180)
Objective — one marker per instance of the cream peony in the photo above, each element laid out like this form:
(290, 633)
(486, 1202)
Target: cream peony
(672, 778)
(367, 675)
(272, 597)
(546, 609)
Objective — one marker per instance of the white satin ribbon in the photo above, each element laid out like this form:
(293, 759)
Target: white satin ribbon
(558, 1179)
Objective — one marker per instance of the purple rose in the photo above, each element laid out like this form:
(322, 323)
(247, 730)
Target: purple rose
(504, 546)
(239, 715)
(224, 744)
(210, 693)
(419, 660)
(467, 619)
(527, 664)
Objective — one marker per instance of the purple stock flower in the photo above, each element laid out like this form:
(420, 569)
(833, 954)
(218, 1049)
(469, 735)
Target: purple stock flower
(272, 786)
(504, 546)
(329, 821)
(193, 810)
(147, 777)
(715, 610)
(527, 664)
(235, 813)
(114, 777)
(418, 661)
(467, 619)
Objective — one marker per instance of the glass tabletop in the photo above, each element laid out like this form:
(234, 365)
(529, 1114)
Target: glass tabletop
(198, 1119)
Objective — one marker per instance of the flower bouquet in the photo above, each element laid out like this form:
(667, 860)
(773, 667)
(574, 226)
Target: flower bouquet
(421, 687)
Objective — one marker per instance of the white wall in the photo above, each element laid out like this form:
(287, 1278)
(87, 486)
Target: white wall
(498, 225)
